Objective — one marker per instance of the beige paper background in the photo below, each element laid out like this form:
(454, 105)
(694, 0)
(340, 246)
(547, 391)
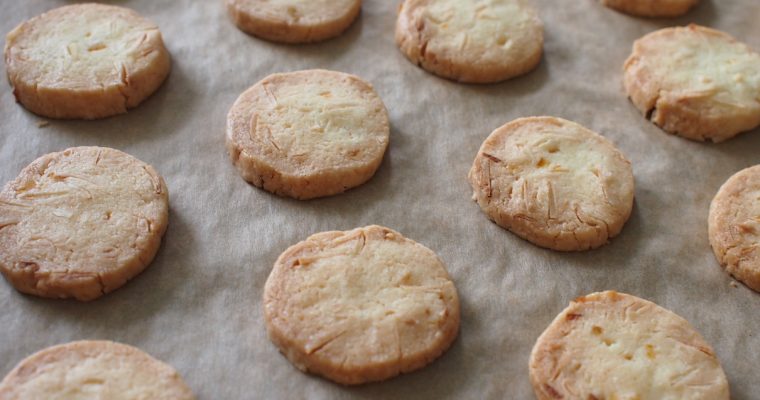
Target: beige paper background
(198, 305)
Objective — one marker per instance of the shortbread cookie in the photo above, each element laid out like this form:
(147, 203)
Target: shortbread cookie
(93, 370)
(294, 21)
(734, 226)
(81, 222)
(360, 306)
(695, 82)
(652, 8)
(308, 134)
(468, 41)
(616, 346)
(85, 61)
(553, 183)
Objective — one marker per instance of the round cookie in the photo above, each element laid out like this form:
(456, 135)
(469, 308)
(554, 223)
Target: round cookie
(734, 226)
(652, 8)
(294, 21)
(695, 82)
(553, 183)
(473, 42)
(360, 306)
(616, 346)
(93, 370)
(308, 134)
(81, 222)
(85, 61)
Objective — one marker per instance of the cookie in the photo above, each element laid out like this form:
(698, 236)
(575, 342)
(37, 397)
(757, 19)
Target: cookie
(695, 82)
(553, 183)
(81, 222)
(308, 134)
(294, 21)
(85, 61)
(652, 8)
(360, 306)
(616, 346)
(93, 370)
(468, 41)
(734, 226)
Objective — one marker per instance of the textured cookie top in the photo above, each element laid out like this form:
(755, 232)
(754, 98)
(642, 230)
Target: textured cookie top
(471, 41)
(616, 346)
(80, 222)
(554, 183)
(652, 8)
(93, 370)
(361, 305)
(695, 82)
(734, 226)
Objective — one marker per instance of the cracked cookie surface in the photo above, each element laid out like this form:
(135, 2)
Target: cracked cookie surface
(85, 61)
(612, 345)
(480, 41)
(81, 222)
(553, 183)
(652, 8)
(361, 305)
(695, 82)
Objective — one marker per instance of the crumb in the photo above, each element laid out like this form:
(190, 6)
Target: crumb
(734, 284)
(43, 123)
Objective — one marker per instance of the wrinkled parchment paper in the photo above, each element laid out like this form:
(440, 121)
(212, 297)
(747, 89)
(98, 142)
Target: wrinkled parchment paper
(198, 306)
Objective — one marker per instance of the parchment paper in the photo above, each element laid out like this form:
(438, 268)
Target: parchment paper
(198, 306)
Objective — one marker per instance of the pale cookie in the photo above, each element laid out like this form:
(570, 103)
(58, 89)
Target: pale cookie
(294, 21)
(81, 222)
(616, 346)
(652, 8)
(93, 370)
(360, 306)
(85, 61)
(553, 183)
(308, 134)
(695, 82)
(471, 41)
(734, 226)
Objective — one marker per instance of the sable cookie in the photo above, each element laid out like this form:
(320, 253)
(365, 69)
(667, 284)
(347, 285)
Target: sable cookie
(294, 21)
(360, 306)
(734, 226)
(553, 183)
(616, 346)
(308, 134)
(467, 41)
(93, 370)
(652, 8)
(81, 222)
(85, 61)
(695, 82)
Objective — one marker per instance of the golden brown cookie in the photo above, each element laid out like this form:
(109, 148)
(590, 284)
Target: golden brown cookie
(308, 134)
(85, 61)
(652, 8)
(616, 346)
(93, 370)
(695, 82)
(81, 222)
(360, 306)
(467, 41)
(553, 183)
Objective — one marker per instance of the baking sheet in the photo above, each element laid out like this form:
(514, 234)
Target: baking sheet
(198, 306)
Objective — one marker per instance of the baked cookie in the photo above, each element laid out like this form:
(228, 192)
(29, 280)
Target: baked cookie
(553, 183)
(93, 370)
(308, 134)
(616, 346)
(652, 8)
(695, 82)
(81, 222)
(734, 226)
(294, 21)
(360, 306)
(85, 61)
(468, 41)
